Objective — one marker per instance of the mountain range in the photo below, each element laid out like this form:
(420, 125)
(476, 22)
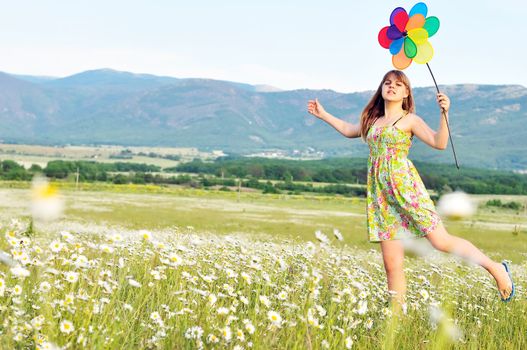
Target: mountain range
(111, 107)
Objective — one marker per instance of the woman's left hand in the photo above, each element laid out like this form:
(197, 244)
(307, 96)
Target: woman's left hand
(443, 101)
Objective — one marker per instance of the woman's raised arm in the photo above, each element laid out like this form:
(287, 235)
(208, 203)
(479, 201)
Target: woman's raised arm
(439, 139)
(347, 129)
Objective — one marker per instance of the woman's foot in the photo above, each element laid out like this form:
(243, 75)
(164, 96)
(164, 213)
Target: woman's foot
(503, 281)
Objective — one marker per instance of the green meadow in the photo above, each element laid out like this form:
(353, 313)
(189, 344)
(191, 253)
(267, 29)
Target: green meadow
(280, 216)
(144, 266)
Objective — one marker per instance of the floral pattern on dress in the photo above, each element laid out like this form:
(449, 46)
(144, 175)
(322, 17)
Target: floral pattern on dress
(398, 204)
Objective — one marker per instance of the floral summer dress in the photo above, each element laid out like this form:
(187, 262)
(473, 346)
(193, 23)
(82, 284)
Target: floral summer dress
(398, 204)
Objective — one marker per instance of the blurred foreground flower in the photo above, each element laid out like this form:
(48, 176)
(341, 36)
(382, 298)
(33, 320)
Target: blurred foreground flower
(6, 259)
(321, 237)
(456, 205)
(338, 235)
(46, 204)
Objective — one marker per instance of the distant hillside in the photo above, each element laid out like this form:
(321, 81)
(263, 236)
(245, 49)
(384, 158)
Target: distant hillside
(111, 107)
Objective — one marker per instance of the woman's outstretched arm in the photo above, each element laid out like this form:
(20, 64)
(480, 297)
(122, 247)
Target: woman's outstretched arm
(347, 129)
(439, 139)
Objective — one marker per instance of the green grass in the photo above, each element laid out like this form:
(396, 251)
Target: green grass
(324, 295)
(200, 242)
(283, 216)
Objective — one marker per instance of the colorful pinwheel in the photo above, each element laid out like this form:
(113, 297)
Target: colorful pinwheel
(407, 39)
(407, 35)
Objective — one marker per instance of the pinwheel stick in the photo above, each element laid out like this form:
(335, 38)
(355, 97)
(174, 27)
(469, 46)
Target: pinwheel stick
(444, 115)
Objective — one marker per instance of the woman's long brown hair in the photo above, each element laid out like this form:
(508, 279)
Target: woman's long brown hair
(375, 108)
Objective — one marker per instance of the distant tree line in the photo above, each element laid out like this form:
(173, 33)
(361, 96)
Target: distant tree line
(93, 171)
(128, 154)
(439, 177)
(61, 169)
(508, 205)
(11, 170)
(271, 176)
(327, 170)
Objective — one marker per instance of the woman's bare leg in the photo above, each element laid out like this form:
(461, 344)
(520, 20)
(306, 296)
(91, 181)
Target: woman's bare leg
(445, 242)
(393, 256)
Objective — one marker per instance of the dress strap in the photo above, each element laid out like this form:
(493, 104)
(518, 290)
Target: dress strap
(404, 115)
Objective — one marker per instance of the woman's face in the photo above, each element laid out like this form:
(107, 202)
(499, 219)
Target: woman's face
(393, 90)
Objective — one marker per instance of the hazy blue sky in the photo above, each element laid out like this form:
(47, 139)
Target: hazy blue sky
(288, 44)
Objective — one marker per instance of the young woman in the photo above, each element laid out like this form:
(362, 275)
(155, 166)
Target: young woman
(399, 206)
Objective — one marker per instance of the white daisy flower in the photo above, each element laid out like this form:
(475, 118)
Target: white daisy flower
(56, 246)
(69, 299)
(71, 276)
(321, 311)
(265, 300)
(230, 273)
(145, 235)
(362, 307)
(194, 332)
(226, 333)
(249, 328)
(348, 343)
(338, 235)
(68, 237)
(115, 238)
(17, 290)
(174, 259)
(37, 322)
(19, 271)
(321, 237)
(134, 283)
(311, 319)
(82, 261)
(211, 338)
(246, 277)
(369, 323)
(274, 317)
(222, 311)
(212, 298)
(66, 326)
(105, 248)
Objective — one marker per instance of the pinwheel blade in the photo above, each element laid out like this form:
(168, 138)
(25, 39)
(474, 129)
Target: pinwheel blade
(393, 33)
(410, 49)
(400, 20)
(383, 38)
(396, 46)
(420, 8)
(416, 21)
(400, 61)
(418, 35)
(431, 25)
(395, 12)
(425, 52)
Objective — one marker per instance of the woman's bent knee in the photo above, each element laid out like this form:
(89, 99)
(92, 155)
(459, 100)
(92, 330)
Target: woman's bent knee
(445, 243)
(440, 239)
